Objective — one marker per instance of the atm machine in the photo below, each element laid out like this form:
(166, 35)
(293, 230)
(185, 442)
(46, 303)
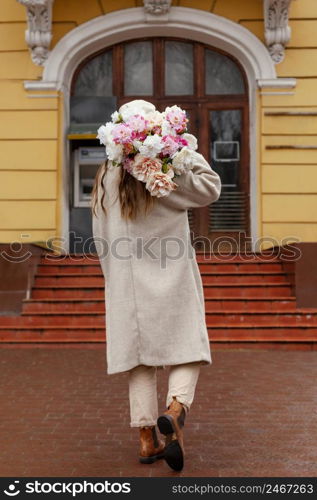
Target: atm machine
(86, 161)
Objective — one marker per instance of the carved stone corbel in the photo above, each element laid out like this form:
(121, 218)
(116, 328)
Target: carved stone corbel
(277, 30)
(157, 7)
(38, 36)
(156, 10)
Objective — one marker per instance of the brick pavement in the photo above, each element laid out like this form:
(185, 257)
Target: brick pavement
(254, 414)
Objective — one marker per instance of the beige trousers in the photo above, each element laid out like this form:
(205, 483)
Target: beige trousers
(143, 390)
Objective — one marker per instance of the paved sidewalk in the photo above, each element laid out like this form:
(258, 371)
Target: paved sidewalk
(254, 414)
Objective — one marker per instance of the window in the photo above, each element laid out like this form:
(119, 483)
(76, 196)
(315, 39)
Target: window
(159, 67)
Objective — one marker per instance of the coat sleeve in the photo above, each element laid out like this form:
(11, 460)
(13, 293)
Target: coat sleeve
(199, 187)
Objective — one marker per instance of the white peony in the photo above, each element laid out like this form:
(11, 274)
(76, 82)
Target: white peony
(155, 118)
(152, 146)
(184, 160)
(101, 135)
(105, 133)
(167, 128)
(115, 117)
(114, 152)
(136, 107)
(192, 141)
(137, 144)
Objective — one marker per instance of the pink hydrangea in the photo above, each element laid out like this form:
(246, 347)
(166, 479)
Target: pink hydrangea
(122, 133)
(177, 118)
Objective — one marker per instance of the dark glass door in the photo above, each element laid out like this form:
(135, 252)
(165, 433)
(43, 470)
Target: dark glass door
(211, 86)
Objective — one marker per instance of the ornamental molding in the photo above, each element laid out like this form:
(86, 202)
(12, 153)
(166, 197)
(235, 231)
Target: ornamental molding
(277, 31)
(157, 7)
(277, 83)
(104, 31)
(38, 36)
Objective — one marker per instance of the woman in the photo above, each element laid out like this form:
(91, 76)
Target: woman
(155, 312)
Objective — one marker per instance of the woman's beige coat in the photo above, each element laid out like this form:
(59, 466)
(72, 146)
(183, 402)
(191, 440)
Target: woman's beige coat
(155, 309)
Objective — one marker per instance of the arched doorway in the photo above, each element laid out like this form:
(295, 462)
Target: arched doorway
(207, 82)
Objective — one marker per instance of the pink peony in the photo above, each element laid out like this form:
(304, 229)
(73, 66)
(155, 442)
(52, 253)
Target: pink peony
(155, 120)
(177, 118)
(137, 123)
(160, 184)
(143, 167)
(128, 164)
(171, 145)
(190, 141)
(140, 136)
(122, 133)
(181, 141)
(128, 148)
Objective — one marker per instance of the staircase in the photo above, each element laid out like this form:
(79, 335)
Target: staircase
(248, 299)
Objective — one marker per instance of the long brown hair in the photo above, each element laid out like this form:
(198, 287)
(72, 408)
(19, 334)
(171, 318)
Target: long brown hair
(132, 193)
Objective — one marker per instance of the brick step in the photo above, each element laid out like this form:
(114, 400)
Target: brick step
(207, 277)
(245, 277)
(216, 267)
(263, 333)
(77, 280)
(213, 318)
(272, 290)
(63, 312)
(69, 258)
(60, 305)
(238, 267)
(59, 320)
(226, 305)
(89, 292)
(208, 272)
(84, 260)
(53, 334)
(273, 318)
(97, 318)
(60, 300)
(68, 269)
(222, 333)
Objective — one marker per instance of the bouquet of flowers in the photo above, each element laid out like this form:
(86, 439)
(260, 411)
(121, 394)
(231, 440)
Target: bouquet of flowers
(153, 147)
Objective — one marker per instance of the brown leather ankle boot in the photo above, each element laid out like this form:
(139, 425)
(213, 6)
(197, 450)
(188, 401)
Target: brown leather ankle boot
(151, 448)
(170, 424)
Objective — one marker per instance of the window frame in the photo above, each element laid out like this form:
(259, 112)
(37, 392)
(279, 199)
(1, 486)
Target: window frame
(158, 51)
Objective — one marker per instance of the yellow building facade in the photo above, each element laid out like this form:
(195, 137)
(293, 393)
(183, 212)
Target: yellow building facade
(280, 129)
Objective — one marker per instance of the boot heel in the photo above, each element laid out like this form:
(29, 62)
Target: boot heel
(174, 455)
(165, 424)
